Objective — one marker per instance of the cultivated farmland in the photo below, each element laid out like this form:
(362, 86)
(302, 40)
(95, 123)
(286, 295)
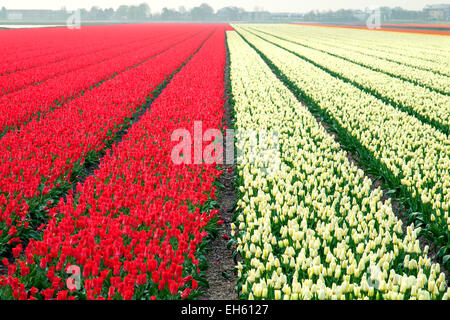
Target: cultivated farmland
(317, 157)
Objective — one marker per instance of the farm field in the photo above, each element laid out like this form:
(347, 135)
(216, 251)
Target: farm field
(433, 29)
(317, 159)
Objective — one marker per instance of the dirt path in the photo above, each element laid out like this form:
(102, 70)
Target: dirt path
(220, 274)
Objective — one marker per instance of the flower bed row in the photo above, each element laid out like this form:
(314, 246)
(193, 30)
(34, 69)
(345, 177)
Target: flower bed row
(413, 57)
(428, 79)
(427, 105)
(98, 53)
(420, 47)
(135, 228)
(314, 229)
(39, 162)
(34, 101)
(412, 157)
(30, 48)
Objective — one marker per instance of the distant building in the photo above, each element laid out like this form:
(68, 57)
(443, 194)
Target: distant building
(439, 12)
(14, 16)
(36, 15)
(360, 15)
(286, 17)
(256, 16)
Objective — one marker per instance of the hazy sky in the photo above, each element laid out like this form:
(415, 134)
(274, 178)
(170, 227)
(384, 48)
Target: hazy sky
(270, 5)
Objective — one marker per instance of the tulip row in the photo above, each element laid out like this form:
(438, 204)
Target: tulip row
(97, 54)
(427, 65)
(423, 47)
(135, 228)
(34, 101)
(414, 158)
(427, 79)
(21, 51)
(432, 66)
(315, 229)
(38, 162)
(347, 42)
(30, 48)
(427, 105)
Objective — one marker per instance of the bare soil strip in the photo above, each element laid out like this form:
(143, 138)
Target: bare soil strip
(220, 274)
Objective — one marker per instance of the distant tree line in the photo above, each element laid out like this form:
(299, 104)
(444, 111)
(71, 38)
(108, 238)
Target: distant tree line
(142, 13)
(205, 12)
(438, 12)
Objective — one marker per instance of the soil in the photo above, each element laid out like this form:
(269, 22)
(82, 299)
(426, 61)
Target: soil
(221, 274)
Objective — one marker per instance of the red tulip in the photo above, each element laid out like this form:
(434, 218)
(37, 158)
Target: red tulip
(130, 223)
